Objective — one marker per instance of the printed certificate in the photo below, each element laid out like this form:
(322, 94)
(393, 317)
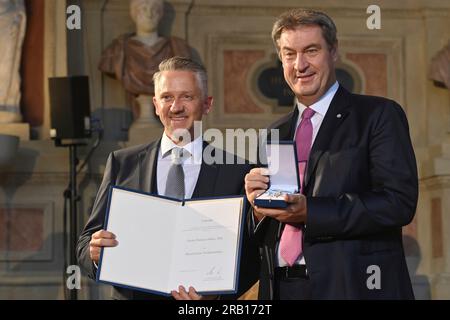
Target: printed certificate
(164, 243)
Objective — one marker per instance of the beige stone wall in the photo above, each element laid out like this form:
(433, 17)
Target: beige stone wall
(391, 62)
(232, 38)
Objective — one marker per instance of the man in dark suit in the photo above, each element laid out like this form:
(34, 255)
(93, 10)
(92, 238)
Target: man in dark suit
(341, 237)
(172, 166)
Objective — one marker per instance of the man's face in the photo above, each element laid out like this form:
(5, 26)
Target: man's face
(308, 63)
(146, 14)
(179, 101)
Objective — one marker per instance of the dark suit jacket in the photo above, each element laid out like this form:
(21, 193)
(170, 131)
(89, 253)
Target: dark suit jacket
(135, 168)
(361, 187)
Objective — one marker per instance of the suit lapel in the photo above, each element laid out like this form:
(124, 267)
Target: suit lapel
(335, 115)
(206, 181)
(147, 167)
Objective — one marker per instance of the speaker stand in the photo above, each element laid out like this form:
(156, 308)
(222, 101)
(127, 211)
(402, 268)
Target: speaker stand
(71, 195)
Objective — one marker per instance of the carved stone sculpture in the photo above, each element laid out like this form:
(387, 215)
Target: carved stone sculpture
(12, 26)
(440, 67)
(134, 58)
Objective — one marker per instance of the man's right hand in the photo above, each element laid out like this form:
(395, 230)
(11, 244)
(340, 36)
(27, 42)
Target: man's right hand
(256, 183)
(101, 239)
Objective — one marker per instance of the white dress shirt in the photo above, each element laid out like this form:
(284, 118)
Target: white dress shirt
(192, 162)
(320, 108)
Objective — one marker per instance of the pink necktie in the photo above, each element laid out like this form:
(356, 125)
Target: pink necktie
(291, 239)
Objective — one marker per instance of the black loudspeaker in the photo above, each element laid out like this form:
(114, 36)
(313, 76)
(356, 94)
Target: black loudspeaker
(70, 107)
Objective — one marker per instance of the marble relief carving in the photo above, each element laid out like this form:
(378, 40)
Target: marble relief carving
(12, 26)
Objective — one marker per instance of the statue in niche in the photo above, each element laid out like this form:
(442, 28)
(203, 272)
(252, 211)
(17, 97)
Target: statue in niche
(440, 68)
(12, 34)
(134, 58)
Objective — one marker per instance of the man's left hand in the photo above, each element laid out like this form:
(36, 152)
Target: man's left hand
(295, 212)
(182, 294)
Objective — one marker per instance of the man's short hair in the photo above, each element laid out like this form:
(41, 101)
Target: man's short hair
(184, 64)
(292, 19)
(135, 4)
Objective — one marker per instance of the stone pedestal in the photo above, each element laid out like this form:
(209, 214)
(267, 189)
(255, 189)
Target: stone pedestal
(140, 133)
(147, 127)
(22, 130)
(146, 110)
(441, 286)
(8, 146)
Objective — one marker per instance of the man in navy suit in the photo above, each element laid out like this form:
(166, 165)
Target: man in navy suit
(341, 237)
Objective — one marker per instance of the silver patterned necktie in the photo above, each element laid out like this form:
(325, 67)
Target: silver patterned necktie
(175, 178)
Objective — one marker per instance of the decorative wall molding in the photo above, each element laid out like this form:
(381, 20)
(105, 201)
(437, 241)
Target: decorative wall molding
(45, 250)
(435, 183)
(344, 10)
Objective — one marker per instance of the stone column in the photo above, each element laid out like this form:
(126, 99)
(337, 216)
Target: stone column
(13, 25)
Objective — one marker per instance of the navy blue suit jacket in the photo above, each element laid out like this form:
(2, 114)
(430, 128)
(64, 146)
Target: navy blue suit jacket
(361, 186)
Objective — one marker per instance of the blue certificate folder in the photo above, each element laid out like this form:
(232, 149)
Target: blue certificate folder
(284, 176)
(164, 243)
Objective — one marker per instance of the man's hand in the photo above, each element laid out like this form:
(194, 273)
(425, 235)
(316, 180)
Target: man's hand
(182, 294)
(256, 182)
(101, 239)
(296, 211)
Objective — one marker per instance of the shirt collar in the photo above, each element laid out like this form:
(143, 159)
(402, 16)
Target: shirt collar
(195, 148)
(322, 105)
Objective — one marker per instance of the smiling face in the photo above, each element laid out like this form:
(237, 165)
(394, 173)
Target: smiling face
(308, 62)
(179, 101)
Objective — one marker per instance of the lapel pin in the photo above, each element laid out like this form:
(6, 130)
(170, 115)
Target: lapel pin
(339, 116)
